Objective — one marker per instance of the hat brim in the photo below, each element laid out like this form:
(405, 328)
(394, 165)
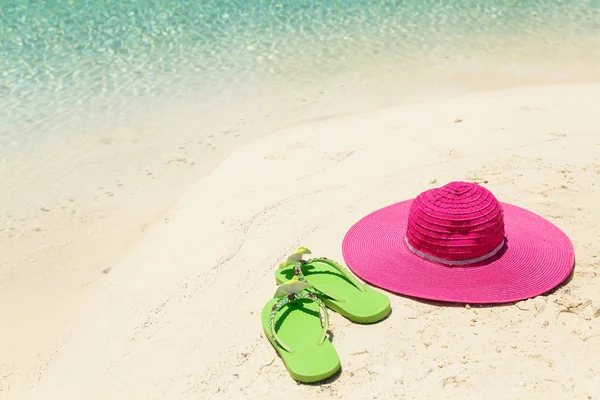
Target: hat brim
(537, 257)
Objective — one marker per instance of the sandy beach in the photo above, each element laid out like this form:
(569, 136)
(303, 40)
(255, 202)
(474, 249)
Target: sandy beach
(178, 316)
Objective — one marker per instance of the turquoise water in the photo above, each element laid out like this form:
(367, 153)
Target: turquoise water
(62, 61)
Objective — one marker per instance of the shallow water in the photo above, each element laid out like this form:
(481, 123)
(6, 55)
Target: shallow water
(64, 61)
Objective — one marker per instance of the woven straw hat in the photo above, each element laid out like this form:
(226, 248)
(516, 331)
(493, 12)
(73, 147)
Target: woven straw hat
(458, 243)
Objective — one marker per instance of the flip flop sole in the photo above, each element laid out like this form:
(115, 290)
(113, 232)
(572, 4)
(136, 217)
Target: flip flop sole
(298, 324)
(365, 307)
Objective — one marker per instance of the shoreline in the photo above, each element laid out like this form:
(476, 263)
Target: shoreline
(142, 324)
(64, 246)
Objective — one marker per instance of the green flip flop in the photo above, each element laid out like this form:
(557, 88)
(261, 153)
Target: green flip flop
(292, 323)
(337, 287)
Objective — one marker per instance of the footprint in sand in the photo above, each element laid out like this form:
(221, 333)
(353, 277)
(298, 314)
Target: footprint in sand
(177, 161)
(105, 140)
(477, 180)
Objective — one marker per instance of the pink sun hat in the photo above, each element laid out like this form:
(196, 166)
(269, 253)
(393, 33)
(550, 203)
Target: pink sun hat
(458, 243)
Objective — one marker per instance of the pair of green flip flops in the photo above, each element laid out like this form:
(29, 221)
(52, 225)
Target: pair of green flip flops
(296, 320)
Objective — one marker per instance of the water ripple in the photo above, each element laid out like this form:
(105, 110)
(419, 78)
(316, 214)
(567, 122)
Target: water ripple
(62, 59)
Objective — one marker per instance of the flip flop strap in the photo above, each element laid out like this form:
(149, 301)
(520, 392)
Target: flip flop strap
(292, 298)
(344, 271)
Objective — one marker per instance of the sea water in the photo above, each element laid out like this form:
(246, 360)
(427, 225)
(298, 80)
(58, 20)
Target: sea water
(62, 62)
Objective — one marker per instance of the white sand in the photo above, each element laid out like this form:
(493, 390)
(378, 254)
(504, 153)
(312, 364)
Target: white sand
(178, 318)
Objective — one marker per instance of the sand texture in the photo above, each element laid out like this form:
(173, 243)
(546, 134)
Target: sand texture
(179, 317)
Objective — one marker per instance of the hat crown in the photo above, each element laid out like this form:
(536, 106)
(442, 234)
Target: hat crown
(460, 223)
